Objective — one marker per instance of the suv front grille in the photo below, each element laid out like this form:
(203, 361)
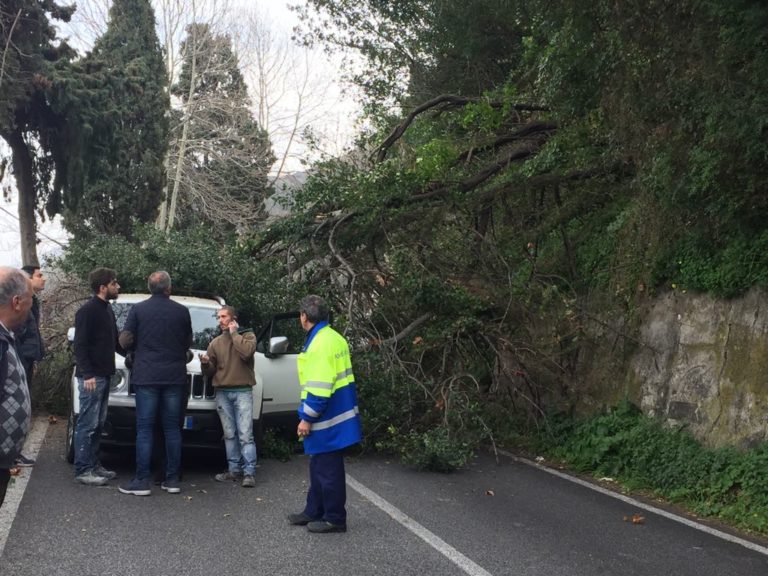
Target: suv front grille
(199, 387)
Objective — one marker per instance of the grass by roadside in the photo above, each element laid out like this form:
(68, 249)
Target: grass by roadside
(666, 464)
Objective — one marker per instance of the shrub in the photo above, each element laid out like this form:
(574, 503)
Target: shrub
(641, 453)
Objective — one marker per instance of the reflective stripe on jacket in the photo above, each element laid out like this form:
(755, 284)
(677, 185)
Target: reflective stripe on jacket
(328, 393)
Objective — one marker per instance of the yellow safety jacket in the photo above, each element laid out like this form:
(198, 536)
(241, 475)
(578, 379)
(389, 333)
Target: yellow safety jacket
(328, 393)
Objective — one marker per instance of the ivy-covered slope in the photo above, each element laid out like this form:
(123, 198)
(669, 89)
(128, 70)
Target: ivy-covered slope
(532, 170)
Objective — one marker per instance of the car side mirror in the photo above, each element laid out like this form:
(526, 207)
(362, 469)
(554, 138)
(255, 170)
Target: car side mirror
(277, 345)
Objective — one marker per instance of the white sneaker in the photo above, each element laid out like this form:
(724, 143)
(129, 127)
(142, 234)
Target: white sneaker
(99, 470)
(90, 478)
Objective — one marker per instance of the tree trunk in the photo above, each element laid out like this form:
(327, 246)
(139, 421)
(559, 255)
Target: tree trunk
(188, 110)
(25, 183)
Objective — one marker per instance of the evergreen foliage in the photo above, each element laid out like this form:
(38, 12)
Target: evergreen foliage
(531, 169)
(33, 65)
(197, 266)
(226, 154)
(598, 154)
(417, 50)
(117, 174)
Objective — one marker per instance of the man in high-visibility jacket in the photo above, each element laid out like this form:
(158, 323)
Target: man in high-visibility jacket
(329, 418)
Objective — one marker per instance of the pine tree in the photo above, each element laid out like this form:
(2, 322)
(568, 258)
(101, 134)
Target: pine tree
(122, 174)
(220, 155)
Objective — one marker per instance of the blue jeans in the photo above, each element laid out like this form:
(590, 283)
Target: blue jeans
(149, 401)
(90, 421)
(235, 408)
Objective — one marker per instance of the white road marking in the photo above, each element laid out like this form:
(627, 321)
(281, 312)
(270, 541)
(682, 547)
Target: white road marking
(669, 515)
(430, 538)
(19, 483)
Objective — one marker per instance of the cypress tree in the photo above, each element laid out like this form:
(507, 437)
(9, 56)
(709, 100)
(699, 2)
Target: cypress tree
(122, 172)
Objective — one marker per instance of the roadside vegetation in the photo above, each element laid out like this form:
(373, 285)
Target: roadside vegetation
(640, 454)
(527, 172)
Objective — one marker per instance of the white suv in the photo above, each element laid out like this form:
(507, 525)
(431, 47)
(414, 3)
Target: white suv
(275, 396)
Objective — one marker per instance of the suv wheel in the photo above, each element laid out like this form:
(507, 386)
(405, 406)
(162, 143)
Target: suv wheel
(258, 432)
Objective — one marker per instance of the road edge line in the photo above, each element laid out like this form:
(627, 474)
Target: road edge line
(459, 559)
(653, 509)
(16, 490)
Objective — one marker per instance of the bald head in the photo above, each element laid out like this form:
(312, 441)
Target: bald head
(159, 282)
(15, 297)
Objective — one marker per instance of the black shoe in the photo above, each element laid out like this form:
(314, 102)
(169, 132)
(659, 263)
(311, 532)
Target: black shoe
(323, 527)
(24, 462)
(172, 486)
(299, 519)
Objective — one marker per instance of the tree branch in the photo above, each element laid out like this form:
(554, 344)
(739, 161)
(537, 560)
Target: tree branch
(7, 46)
(530, 129)
(480, 177)
(406, 331)
(444, 101)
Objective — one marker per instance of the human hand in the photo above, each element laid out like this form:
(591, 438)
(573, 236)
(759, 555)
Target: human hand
(233, 326)
(203, 358)
(90, 384)
(303, 429)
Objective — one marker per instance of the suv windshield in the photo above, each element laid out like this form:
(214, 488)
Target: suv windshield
(205, 327)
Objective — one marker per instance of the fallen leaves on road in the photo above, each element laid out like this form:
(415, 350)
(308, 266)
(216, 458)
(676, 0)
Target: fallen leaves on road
(227, 515)
(187, 498)
(635, 519)
(52, 419)
(539, 459)
(606, 479)
(490, 493)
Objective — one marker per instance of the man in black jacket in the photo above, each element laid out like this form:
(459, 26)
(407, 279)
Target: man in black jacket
(15, 408)
(95, 347)
(30, 343)
(159, 330)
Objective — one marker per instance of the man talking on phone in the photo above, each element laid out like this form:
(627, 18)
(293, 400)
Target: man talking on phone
(229, 360)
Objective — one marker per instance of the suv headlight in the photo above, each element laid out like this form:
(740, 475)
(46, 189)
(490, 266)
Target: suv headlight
(118, 380)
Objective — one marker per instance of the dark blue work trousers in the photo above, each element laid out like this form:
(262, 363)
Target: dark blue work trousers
(327, 493)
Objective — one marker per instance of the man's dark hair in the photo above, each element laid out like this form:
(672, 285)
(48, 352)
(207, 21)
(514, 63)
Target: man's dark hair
(101, 277)
(314, 307)
(30, 269)
(231, 310)
(159, 282)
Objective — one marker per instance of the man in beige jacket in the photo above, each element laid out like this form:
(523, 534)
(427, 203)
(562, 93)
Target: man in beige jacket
(229, 360)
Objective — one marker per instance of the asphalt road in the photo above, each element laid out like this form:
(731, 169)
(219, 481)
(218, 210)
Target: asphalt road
(499, 519)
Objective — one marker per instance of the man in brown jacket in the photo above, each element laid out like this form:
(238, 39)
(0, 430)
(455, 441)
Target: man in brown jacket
(229, 360)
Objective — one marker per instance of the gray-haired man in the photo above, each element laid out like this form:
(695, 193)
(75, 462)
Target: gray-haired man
(15, 407)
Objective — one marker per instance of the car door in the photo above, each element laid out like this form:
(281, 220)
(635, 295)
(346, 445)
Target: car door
(276, 369)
